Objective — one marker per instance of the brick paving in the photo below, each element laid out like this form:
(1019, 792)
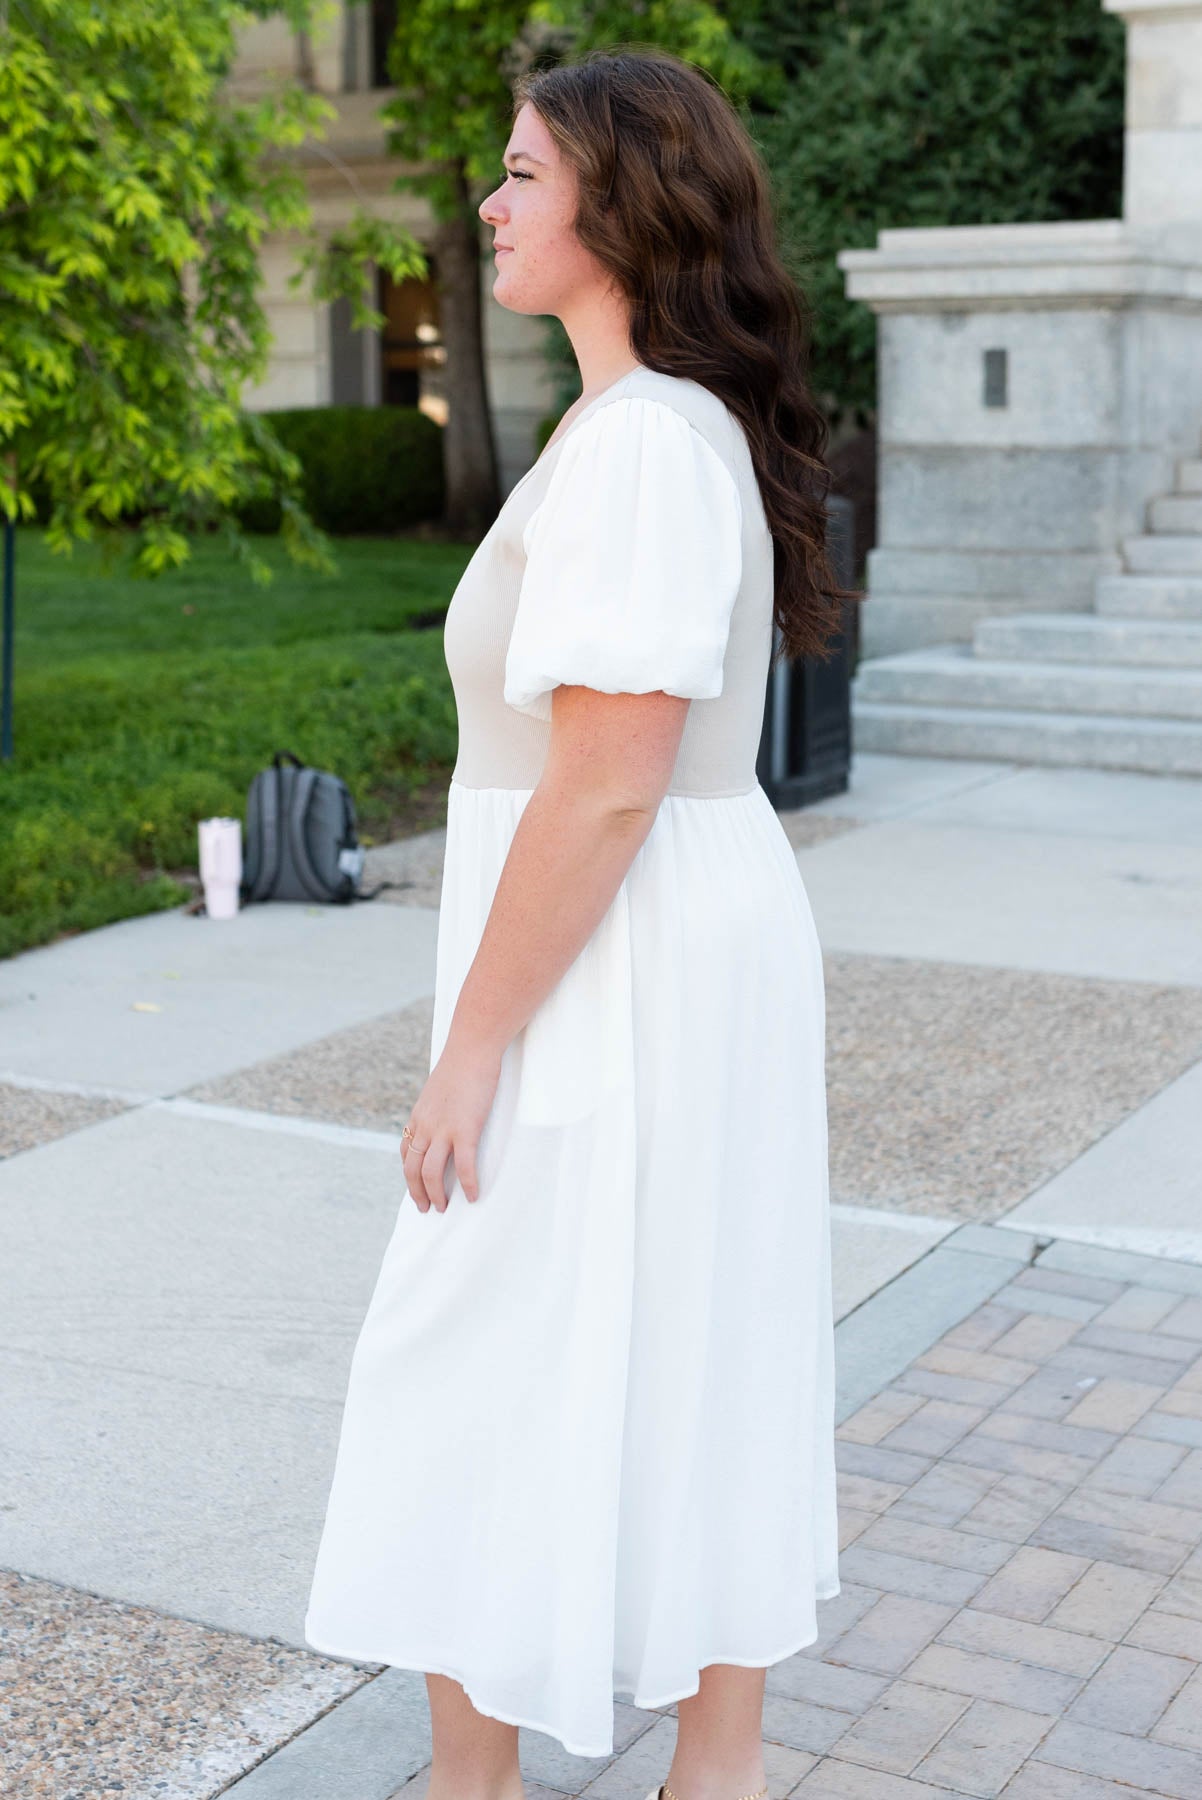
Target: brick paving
(1020, 1617)
(1021, 1613)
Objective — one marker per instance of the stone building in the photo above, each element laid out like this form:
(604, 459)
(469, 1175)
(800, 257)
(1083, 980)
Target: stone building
(317, 360)
(1036, 590)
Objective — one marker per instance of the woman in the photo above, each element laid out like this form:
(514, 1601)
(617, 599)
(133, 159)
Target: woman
(588, 1438)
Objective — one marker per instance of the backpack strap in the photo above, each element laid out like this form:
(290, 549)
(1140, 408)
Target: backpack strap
(254, 842)
(270, 841)
(301, 860)
(370, 893)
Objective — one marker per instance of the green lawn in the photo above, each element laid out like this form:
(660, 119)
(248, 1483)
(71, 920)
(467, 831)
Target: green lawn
(142, 707)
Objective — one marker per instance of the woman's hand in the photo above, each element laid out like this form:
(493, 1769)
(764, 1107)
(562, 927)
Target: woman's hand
(447, 1122)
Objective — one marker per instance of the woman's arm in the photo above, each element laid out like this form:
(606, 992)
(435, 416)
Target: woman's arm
(608, 766)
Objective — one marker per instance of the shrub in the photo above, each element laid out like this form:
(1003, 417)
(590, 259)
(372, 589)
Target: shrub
(927, 112)
(372, 469)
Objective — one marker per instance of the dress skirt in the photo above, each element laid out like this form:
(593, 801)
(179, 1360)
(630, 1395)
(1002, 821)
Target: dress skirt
(587, 1442)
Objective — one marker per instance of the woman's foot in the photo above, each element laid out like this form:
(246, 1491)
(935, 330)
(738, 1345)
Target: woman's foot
(711, 1787)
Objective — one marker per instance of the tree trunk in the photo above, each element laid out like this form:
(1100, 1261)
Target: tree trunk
(469, 453)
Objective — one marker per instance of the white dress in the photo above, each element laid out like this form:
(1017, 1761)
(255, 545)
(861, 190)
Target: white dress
(587, 1446)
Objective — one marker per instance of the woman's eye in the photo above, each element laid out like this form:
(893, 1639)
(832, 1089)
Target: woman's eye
(520, 174)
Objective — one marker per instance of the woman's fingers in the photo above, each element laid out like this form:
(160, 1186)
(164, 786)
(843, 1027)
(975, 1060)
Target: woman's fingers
(413, 1157)
(426, 1177)
(434, 1163)
(411, 1162)
(465, 1168)
(446, 1126)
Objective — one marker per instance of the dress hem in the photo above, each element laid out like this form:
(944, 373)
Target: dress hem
(423, 1666)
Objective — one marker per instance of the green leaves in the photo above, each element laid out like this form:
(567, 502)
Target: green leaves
(695, 30)
(135, 193)
(928, 112)
(335, 265)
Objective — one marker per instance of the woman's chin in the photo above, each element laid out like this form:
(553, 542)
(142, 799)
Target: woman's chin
(513, 301)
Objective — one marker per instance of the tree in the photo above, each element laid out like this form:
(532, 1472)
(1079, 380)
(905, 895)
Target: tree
(452, 62)
(134, 195)
(927, 112)
(449, 60)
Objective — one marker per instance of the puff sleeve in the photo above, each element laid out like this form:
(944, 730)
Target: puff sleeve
(633, 562)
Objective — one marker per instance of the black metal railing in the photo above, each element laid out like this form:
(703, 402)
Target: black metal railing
(805, 746)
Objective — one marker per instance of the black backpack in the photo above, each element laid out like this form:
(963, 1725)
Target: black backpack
(301, 837)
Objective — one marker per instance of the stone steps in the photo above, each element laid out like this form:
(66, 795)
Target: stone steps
(953, 676)
(1118, 688)
(1164, 553)
(1176, 513)
(1090, 638)
(1097, 741)
(1148, 597)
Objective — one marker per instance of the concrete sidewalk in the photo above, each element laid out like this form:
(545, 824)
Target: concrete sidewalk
(200, 1125)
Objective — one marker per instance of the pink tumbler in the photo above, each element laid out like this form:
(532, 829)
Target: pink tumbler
(221, 865)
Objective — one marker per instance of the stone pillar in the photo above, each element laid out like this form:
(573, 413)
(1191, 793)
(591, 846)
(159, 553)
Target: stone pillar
(1162, 166)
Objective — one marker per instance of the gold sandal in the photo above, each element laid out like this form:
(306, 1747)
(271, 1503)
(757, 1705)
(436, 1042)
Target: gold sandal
(664, 1792)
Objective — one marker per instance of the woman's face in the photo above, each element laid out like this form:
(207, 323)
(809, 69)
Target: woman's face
(541, 267)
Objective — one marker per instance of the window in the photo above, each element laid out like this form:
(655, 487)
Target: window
(383, 25)
(410, 341)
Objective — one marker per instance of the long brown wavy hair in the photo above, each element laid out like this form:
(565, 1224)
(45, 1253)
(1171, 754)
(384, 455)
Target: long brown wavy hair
(675, 201)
